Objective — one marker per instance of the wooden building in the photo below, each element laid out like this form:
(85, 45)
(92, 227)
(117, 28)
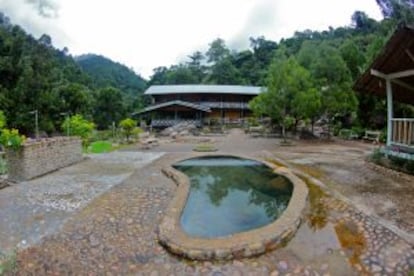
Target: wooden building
(391, 75)
(200, 104)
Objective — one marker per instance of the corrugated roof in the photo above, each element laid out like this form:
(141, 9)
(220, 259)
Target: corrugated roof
(207, 89)
(177, 102)
(396, 56)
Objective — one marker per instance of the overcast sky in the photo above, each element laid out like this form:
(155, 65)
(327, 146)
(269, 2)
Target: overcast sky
(144, 34)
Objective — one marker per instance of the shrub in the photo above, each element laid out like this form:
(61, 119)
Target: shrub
(129, 127)
(397, 161)
(11, 139)
(3, 166)
(383, 136)
(358, 131)
(410, 166)
(79, 126)
(377, 156)
(2, 120)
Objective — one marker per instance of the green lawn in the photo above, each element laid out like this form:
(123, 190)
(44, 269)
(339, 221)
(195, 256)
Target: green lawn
(100, 147)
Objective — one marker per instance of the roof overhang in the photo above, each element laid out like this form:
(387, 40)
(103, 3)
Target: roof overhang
(175, 103)
(395, 64)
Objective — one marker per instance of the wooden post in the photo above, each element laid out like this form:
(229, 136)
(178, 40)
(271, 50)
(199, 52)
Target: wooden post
(390, 111)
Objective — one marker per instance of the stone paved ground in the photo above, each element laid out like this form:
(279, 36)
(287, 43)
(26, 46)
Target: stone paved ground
(37, 208)
(115, 234)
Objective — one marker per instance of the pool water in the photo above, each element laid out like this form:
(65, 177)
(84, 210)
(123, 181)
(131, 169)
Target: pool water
(229, 195)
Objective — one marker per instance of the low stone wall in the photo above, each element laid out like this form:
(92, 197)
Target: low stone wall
(37, 158)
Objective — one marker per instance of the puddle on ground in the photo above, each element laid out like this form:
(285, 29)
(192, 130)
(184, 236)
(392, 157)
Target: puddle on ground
(317, 214)
(323, 234)
(352, 241)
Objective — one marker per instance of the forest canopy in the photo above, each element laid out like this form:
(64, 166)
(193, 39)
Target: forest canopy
(34, 75)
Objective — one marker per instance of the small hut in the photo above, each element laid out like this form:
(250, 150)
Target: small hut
(391, 75)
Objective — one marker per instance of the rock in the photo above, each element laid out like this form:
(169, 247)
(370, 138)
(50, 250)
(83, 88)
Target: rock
(94, 241)
(283, 265)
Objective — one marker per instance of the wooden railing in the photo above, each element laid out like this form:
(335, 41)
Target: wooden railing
(403, 131)
(172, 122)
(235, 105)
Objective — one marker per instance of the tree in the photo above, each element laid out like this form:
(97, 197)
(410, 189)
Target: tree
(128, 126)
(288, 83)
(308, 104)
(2, 120)
(362, 22)
(224, 72)
(400, 10)
(217, 51)
(75, 98)
(196, 66)
(79, 126)
(108, 107)
(353, 57)
(333, 79)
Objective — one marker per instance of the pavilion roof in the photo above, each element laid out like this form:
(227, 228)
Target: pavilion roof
(396, 61)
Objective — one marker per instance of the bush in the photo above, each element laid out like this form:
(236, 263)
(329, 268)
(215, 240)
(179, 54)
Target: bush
(129, 128)
(102, 135)
(3, 166)
(397, 161)
(359, 131)
(12, 139)
(383, 136)
(79, 126)
(2, 120)
(410, 166)
(377, 156)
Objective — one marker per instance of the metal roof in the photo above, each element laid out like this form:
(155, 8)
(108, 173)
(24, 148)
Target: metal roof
(177, 102)
(207, 89)
(396, 56)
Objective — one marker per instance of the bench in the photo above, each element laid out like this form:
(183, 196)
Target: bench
(372, 136)
(255, 131)
(149, 143)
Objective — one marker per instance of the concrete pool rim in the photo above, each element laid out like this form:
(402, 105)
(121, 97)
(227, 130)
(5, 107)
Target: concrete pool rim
(240, 245)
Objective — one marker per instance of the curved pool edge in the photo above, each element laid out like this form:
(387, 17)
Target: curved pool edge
(236, 246)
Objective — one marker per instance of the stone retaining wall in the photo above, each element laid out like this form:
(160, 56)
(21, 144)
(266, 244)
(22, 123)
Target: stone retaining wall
(37, 158)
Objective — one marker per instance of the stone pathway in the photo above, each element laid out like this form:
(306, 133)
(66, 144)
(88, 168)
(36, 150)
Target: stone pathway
(116, 235)
(34, 209)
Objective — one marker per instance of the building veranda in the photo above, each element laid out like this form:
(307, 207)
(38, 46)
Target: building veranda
(198, 104)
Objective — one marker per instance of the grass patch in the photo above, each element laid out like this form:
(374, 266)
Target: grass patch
(100, 147)
(3, 166)
(8, 263)
(205, 147)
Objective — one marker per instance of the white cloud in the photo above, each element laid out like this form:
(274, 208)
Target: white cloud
(147, 34)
